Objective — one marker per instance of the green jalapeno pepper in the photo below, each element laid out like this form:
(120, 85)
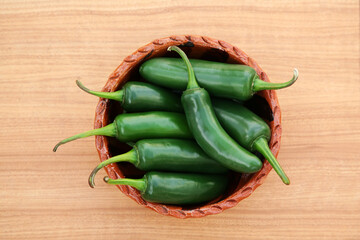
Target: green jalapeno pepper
(130, 127)
(248, 129)
(207, 130)
(219, 79)
(141, 97)
(176, 188)
(253, 134)
(175, 155)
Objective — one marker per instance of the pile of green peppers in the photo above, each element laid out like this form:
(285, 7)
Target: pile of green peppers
(188, 143)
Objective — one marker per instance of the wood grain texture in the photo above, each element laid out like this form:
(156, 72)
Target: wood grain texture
(45, 46)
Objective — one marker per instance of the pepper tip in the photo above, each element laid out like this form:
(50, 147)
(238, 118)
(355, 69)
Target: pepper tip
(92, 177)
(106, 179)
(56, 147)
(296, 74)
(91, 182)
(285, 179)
(82, 87)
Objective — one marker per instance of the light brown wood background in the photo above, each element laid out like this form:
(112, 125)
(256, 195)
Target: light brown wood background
(46, 45)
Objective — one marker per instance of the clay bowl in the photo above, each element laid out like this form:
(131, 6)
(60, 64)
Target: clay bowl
(264, 103)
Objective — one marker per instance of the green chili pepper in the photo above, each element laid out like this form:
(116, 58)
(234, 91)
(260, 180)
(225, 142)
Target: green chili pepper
(176, 188)
(207, 130)
(129, 127)
(141, 97)
(248, 129)
(219, 79)
(175, 155)
(253, 134)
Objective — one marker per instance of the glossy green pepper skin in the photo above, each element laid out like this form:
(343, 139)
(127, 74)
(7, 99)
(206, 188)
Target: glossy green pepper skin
(219, 79)
(165, 154)
(248, 129)
(210, 135)
(177, 188)
(240, 123)
(176, 155)
(207, 130)
(141, 97)
(135, 126)
(129, 127)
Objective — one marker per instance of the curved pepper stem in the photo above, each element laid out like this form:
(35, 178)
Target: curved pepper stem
(139, 184)
(118, 95)
(262, 85)
(262, 146)
(192, 83)
(130, 156)
(108, 130)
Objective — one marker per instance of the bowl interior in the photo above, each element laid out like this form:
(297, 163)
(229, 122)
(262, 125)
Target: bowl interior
(261, 104)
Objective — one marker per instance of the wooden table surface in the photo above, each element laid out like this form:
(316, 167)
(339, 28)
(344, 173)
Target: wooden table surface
(46, 45)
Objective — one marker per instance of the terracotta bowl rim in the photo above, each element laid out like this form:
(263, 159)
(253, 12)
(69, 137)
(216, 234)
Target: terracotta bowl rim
(144, 53)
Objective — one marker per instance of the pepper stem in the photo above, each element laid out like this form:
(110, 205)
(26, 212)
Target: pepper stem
(118, 95)
(262, 85)
(139, 184)
(192, 83)
(262, 146)
(130, 156)
(108, 130)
